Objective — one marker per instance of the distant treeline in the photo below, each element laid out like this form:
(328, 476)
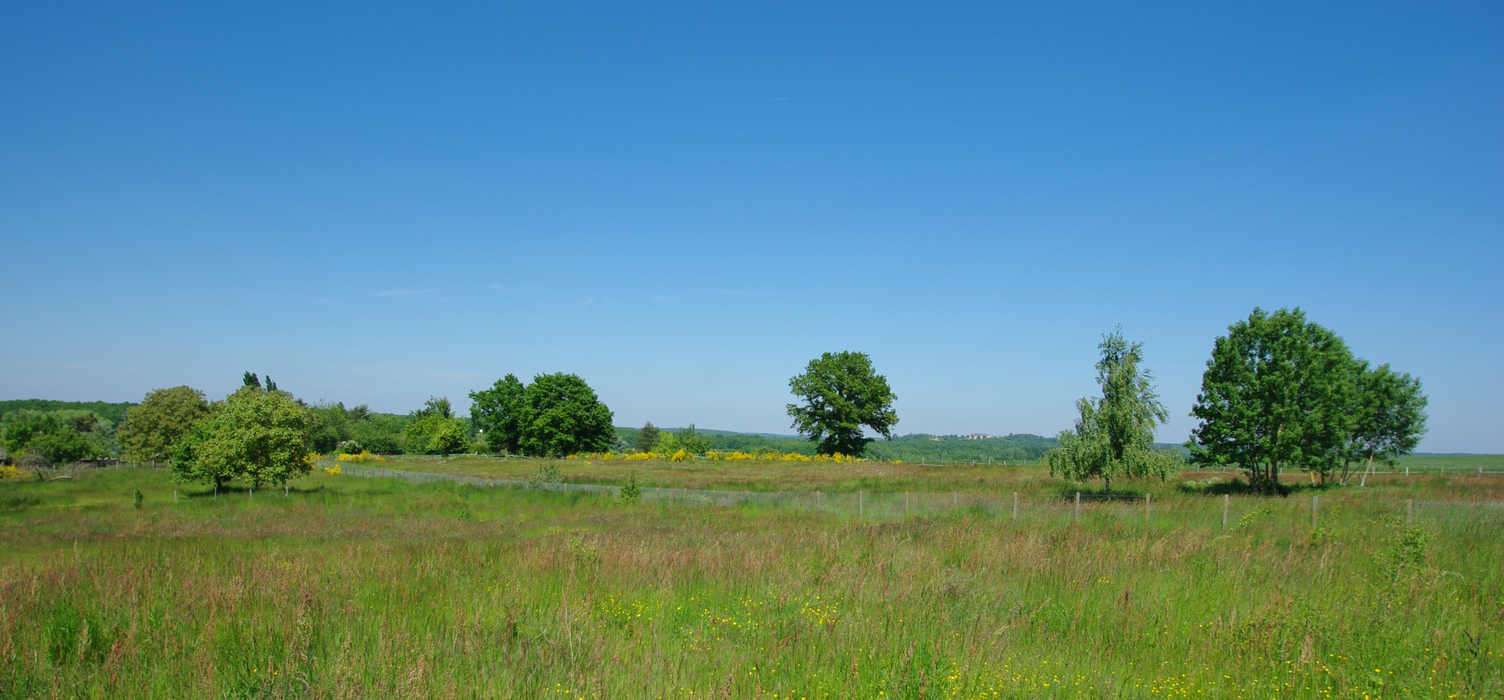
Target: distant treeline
(952, 448)
(112, 412)
(914, 447)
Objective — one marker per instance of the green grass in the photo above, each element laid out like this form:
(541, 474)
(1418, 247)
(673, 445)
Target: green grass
(882, 477)
(1452, 463)
(376, 588)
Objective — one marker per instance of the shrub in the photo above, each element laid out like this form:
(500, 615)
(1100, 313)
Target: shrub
(548, 473)
(10, 472)
(631, 493)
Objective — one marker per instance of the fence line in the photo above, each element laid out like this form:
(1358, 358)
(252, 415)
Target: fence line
(894, 505)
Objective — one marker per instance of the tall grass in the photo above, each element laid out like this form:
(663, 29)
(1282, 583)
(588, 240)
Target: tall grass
(881, 477)
(375, 588)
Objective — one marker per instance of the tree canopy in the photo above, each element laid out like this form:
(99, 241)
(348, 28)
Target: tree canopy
(557, 415)
(435, 429)
(687, 439)
(1114, 435)
(1390, 416)
(1282, 392)
(52, 437)
(152, 428)
(499, 412)
(646, 437)
(257, 434)
(840, 393)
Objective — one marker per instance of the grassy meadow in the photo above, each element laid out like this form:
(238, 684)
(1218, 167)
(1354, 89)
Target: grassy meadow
(349, 587)
(1426, 483)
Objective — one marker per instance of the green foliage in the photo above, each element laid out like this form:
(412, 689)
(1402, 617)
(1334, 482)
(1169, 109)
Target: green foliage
(555, 416)
(692, 442)
(114, 413)
(330, 427)
(646, 437)
(840, 393)
(667, 443)
(153, 427)
(548, 473)
(185, 465)
(50, 437)
(1390, 415)
(21, 428)
(66, 445)
(436, 433)
(1403, 552)
(436, 406)
(631, 492)
(499, 413)
(257, 434)
(381, 433)
(1276, 392)
(334, 428)
(687, 439)
(136, 499)
(1114, 435)
(1254, 516)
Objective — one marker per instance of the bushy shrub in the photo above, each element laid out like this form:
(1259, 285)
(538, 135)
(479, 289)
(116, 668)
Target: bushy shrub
(631, 493)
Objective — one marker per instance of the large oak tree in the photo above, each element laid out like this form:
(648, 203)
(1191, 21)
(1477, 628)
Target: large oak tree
(840, 393)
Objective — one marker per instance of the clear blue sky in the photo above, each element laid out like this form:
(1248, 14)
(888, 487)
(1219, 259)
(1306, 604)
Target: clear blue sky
(684, 204)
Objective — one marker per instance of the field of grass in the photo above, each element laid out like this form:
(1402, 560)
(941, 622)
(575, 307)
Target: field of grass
(883, 477)
(353, 587)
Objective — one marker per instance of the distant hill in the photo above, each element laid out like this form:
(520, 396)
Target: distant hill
(112, 412)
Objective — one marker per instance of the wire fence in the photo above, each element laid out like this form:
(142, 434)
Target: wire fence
(1224, 512)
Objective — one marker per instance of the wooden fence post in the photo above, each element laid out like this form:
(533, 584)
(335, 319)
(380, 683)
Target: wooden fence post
(1226, 500)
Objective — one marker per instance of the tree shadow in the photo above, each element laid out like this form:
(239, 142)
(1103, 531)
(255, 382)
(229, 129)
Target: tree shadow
(239, 490)
(1094, 494)
(1235, 487)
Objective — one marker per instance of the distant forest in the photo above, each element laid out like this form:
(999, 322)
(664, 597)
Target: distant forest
(913, 447)
(112, 412)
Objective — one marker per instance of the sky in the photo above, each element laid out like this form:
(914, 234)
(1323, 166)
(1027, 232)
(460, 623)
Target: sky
(376, 203)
